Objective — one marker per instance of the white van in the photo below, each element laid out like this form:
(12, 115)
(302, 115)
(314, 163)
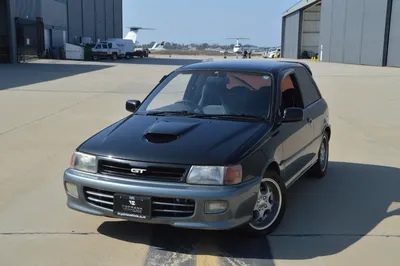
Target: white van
(113, 48)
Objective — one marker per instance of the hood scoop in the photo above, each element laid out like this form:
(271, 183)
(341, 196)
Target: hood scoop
(168, 131)
(160, 138)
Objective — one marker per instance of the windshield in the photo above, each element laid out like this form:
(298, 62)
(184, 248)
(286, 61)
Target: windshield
(212, 93)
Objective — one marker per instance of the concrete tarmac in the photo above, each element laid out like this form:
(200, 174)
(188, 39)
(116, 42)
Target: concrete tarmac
(47, 108)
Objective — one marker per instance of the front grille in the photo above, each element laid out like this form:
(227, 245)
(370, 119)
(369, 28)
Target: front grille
(153, 173)
(99, 197)
(172, 207)
(161, 207)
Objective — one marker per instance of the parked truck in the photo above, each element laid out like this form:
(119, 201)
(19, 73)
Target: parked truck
(114, 49)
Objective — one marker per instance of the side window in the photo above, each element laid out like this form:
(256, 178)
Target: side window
(109, 45)
(291, 95)
(104, 46)
(308, 90)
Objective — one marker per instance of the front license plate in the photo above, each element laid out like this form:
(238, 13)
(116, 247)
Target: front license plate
(132, 206)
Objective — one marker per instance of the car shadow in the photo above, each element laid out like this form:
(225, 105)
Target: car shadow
(12, 76)
(324, 217)
(156, 61)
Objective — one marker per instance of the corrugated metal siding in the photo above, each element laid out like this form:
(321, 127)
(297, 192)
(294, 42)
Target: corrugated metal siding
(74, 19)
(89, 19)
(54, 13)
(394, 39)
(373, 32)
(109, 19)
(325, 30)
(100, 19)
(117, 18)
(353, 33)
(338, 30)
(28, 9)
(291, 36)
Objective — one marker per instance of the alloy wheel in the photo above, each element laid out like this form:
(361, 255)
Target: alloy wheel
(268, 205)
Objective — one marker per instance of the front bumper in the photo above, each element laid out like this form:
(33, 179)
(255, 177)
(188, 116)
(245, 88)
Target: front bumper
(241, 199)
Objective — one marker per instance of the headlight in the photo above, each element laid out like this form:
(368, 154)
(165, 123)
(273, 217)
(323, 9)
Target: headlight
(215, 175)
(84, 162)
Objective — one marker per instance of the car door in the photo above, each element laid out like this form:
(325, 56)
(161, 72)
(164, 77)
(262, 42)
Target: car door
(96, 50)
(104, 50)
(295, 136)
(314, 105)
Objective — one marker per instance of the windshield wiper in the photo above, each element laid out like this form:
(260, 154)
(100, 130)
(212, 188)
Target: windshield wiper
(230, 116)
(184, 113)
(215, 116)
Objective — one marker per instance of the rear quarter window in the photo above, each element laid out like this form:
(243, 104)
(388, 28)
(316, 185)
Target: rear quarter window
(307, 87)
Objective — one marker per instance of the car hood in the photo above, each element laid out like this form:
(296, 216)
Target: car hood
(176, 140)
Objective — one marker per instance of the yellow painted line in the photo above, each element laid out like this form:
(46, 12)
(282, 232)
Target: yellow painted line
(207, 251)
(206, 260)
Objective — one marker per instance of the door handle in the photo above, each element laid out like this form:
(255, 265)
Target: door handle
(309, 119)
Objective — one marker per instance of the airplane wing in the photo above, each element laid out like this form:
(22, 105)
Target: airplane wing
(226, 51)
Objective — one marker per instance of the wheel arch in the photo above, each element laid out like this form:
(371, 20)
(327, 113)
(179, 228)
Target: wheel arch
(272, 165)
(328, 131)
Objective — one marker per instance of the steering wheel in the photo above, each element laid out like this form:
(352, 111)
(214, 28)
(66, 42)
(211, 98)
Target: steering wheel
(192, 104)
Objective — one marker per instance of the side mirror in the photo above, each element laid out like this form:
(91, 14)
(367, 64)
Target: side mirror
(132, 105)
(293, 114)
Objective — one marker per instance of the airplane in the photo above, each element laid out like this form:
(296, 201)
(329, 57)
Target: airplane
(133, 33)
(158, 47)
(238, 48)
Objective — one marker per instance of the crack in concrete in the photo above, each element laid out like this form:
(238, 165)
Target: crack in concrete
(273, 235)
(48, 233)
(330, 235)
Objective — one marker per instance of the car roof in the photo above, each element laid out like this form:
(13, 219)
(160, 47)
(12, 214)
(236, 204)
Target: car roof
(244, 65)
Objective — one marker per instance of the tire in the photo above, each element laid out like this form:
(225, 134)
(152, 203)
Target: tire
(95, 58)
(127, 56)
(114, 57)
(271, 182)
(320, 168)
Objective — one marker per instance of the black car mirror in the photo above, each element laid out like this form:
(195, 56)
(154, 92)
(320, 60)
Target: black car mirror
(293, 114)
(132, 105)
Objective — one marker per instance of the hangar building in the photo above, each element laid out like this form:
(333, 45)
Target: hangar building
(32, 26)
(365, 32)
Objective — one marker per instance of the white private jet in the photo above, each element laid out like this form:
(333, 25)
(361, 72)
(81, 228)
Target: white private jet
(133, 35)
(238, 48)
(158, 47)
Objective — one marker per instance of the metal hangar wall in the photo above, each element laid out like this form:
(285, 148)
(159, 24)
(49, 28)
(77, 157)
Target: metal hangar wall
(365, 32)
(96, 19)
(30, 27)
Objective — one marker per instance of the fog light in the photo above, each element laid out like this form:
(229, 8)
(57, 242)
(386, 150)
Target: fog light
(71, 189)
(215, 206)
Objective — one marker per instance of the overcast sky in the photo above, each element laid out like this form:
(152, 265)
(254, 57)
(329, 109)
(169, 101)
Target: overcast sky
(212, 21)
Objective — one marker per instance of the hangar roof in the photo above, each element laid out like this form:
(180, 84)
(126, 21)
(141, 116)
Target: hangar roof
(299, 5)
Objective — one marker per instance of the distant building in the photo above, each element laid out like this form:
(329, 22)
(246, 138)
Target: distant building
(365, 32)
(31, 27)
